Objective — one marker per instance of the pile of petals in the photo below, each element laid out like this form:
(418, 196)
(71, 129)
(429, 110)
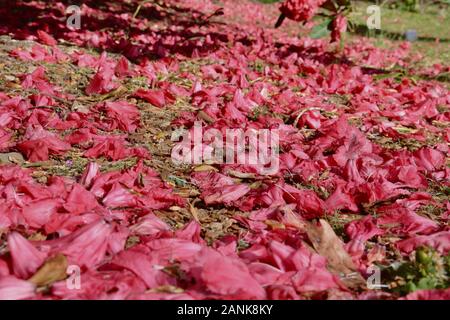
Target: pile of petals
(353, 143)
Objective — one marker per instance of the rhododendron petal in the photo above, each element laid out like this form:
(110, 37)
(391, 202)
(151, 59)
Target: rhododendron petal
(80, 200)
(26, 258)
(229, 277)
(155, 97)
(86, 246)
(440, 241)
(12, 288)
(45, 38)
(38, 213)
(362, 142)
(436, 294)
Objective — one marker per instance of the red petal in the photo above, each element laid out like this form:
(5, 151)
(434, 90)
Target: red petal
(47, 39)
(26, 258)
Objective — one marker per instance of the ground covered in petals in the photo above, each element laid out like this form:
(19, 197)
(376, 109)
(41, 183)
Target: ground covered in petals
(92, 205)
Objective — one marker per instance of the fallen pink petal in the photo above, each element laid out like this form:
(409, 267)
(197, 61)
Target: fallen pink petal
(224, 150)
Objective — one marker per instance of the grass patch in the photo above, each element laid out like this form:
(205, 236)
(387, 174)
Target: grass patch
(427, 269)
(432, 24)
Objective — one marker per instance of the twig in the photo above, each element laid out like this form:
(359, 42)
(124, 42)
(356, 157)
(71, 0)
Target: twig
(302, 112)
(141, 4)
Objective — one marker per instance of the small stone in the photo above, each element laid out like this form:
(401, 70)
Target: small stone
(11, 157)
(78, 107)
(411, 35)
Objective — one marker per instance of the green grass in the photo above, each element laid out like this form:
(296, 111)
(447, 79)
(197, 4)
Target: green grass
(432, 26)
(431, 22)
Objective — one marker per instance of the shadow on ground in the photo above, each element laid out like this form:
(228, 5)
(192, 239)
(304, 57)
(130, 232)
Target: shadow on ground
(107, 25)
(362, 30)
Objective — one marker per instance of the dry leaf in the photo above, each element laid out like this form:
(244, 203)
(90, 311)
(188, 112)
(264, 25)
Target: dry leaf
(241, 175)
(204, 116)
(79, 107)
(256, 185)
(37, 237)
(166, 289)
(274, 224)
(54, 269)
(292, 219)
(327, 244)
(205, 167)
(193, 210)
(11, 157)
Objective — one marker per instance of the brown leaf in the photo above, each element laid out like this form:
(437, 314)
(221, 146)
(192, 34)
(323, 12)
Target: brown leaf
(193, 210)
(292, 219)
(79, 107)
(328, 245)
(205, 167)
(11, 157)
(37, 236)
(274, 224)
(241, 175)
(54, 269)
(204, 116)
(166, 289)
